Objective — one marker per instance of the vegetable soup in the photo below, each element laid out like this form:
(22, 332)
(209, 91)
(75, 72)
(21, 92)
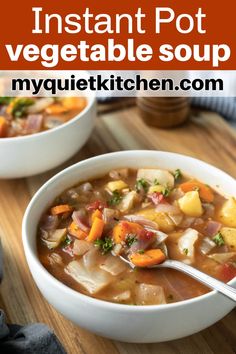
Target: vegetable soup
(145, 215)
(21, 116)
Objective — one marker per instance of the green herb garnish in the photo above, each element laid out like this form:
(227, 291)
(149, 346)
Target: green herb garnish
(19, 106)
(141, 251)
(116, 198)
(166, 192)
(185, 250)
(130, 239)
(67, 241)
(6, 100)
(141, 184)
(105, 245)
(218, 239)
(177, 174)
(156, 183)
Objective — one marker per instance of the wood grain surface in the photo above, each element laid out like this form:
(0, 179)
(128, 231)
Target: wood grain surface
(205, 136)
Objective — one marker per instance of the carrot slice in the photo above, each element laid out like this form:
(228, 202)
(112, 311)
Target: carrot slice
(122, 229)
(205, 192)
(61, 209)
(3, 127)
(96, 214)
(96, 230)
(148, 258)
(75, 231)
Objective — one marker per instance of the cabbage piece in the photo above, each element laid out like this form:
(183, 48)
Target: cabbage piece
(186, 243)
(113, 265)
(80, 247)
(147, 294)
(54, 238)
(93, 258)
(207, 245)
(222, 257)
(163, 177)
(40, 104)
(128, 201)
(124, 296)
(93, 280)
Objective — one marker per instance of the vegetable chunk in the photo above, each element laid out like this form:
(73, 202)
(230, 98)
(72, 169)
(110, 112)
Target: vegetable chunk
(96, 229)
(53, 239)
(162, 177)
(147, 294)
(190, 204)
(227, 214)
(93, 280)
(3, 127)
(148, 258)
(186, 243)
(61, 209)
(205, 192)
(116, 185)
(229, 236)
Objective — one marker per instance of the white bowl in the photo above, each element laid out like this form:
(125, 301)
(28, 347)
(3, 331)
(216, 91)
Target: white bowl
(33, 154)
(141, 324)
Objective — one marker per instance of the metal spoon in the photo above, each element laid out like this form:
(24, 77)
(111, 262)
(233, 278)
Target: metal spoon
(207, 280)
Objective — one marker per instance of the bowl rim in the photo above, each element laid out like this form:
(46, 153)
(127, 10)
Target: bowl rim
(98, 302)
(91, 99)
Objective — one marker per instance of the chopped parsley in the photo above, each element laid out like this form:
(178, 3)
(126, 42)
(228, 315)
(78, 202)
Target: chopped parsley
(5, 100)
(156, 183)
(166, 192)
(185, 250)
(67, 241)
(19, 106)
(105, 245)
(116, 198)
(218, 239)
(141, 251)
(141, 184)
(130, 239)
(177, 174)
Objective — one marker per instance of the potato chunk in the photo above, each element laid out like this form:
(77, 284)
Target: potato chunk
(116, 185)
(190, 204)
(227, 214)
(162, 219)
(229, 236)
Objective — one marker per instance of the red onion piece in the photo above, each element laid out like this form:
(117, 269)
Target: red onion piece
(49, 222)
(34, 123)
(141, 220)
(78, 217)
(212, 227)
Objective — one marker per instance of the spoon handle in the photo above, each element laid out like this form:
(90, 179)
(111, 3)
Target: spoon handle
(207, 280)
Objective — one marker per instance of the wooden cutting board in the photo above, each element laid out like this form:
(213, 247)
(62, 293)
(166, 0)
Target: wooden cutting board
(205, 136)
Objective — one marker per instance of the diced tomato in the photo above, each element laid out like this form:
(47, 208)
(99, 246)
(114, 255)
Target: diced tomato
(148, 234)
(97, 204)
(157, 198)
(227, 272)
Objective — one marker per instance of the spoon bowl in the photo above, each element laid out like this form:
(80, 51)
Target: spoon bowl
(202, 277)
